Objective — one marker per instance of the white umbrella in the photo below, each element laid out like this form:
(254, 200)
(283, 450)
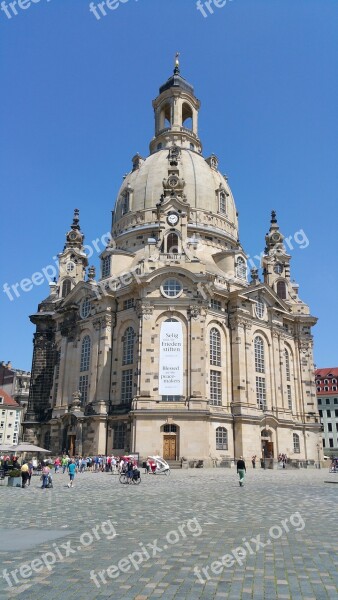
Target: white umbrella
(24, 447)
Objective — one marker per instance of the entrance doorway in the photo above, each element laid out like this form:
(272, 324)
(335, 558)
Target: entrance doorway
(71, 445)
(169, 447)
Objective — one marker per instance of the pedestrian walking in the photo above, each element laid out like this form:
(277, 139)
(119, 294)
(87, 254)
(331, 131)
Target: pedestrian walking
(24, 474)
(241, 470)
(45, 476)
(253, 460)
(72, 470)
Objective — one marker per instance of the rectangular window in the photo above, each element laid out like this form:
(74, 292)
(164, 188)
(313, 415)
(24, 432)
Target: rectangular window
(296, 445)
(335, 400)
(215, 388)
(328, 413)
(261, 393)
(83, 389)
(128, 303)
(336, 413)
(329, 427)
(221, 438)
(1, 400)
(327, 401)
(320, 412)
(119, 435)
(331, 442)
(127, 386)
(215, 304)
(289, 397)
(55, 392)
(336, 426)
(171, 398)
(85, 355)
(57, 366)
(106, 267)
(319, 401)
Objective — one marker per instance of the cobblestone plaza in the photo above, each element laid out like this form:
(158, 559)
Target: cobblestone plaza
(195, 534)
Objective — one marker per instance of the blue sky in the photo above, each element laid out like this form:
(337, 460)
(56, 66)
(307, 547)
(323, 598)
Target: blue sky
(76, 106)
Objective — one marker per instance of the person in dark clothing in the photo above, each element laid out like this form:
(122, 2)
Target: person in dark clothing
(241, 470)
(130, 470)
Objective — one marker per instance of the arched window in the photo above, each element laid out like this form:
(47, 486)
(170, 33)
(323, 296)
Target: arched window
(125, 203)
(106, 266)
(221, 438)
(287, 365)
(241, 268)
(172, 243)
(66, 287)
(215, 347)
(187, 116)
(296, 444)
(128, 346)
(166, 116)
(259, 355)
(281, 290)
(85, 354)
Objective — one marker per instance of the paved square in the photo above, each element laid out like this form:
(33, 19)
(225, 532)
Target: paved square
(195, 534)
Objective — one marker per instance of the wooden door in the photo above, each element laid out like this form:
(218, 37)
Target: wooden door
(169, 447)
(71, 445)
(269, 449)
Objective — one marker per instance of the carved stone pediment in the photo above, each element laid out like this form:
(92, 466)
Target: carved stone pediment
(143, 309)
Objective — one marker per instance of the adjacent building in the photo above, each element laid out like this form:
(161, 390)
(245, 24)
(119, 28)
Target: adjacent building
(327, 400)
(174, 349)
(10, 419)
(16, 383)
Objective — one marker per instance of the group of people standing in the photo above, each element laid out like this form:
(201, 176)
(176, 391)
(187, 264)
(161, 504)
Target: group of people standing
(99, 463)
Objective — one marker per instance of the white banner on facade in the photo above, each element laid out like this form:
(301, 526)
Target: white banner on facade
(171, 359)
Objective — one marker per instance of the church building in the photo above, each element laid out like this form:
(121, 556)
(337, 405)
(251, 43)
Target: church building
(174, 348)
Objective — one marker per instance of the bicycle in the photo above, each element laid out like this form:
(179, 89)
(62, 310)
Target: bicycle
(135, 479)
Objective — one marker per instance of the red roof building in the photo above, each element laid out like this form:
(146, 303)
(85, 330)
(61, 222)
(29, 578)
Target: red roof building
(327, 381)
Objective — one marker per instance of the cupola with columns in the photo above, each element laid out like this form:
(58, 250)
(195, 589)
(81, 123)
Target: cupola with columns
(176, 114)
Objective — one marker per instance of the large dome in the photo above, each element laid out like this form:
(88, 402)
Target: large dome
(202, 185)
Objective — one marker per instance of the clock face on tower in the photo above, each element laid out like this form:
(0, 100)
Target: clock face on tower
(173, 219)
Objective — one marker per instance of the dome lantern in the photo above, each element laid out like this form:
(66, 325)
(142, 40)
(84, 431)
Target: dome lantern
(176, 114)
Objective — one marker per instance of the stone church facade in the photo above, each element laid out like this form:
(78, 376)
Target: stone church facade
(174, 349)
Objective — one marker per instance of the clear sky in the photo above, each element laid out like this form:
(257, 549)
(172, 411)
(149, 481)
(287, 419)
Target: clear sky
(76, 106)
